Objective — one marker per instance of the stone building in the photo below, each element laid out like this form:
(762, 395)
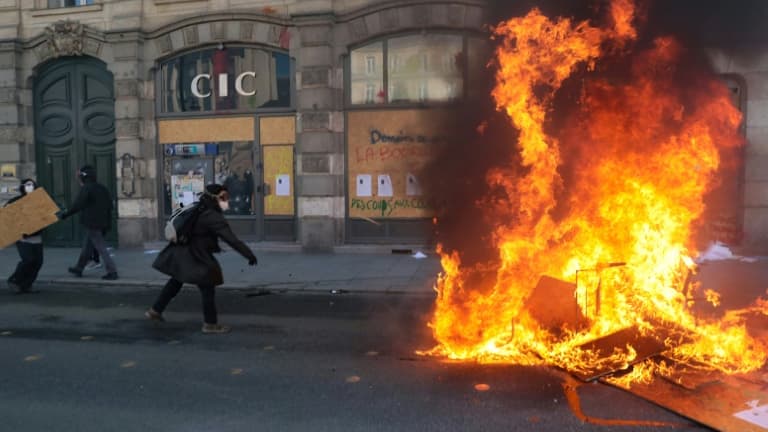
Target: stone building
(311, 111)
(164, 96)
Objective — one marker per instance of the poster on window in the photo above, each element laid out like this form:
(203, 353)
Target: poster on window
(185, 189)
(387, 150)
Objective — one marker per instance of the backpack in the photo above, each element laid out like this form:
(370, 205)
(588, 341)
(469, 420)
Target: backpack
(178, 229)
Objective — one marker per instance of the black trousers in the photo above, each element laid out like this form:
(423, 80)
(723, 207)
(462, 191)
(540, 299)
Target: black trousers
(31, 255)
(93, 240)
(208, 293)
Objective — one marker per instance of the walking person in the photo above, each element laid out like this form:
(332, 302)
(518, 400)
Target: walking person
(95, 205)
(30, 249)
(194, 262)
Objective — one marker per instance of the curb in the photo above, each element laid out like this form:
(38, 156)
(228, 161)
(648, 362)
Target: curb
(322, 287)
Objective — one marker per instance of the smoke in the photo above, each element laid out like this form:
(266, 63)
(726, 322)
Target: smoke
(456, 177)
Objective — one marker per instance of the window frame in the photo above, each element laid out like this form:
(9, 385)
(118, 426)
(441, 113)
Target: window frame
(158, 102)
(62, 5)
(465, 35)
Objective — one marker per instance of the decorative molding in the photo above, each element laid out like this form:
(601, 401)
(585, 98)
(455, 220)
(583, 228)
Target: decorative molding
(65, 38)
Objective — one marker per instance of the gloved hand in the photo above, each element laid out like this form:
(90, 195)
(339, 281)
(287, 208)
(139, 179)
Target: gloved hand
(253, 261)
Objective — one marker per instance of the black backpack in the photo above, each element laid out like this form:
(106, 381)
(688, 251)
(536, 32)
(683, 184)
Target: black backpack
(178, 229)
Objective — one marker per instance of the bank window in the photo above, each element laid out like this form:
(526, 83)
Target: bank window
(366, 76)
(227, 79)
(188, 167)
(53, 4)
(417, 68)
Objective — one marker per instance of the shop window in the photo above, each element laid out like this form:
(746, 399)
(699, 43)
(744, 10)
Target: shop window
(417, 68)
(365, 76)
(189, 167)
(54, 4)
(225, 79)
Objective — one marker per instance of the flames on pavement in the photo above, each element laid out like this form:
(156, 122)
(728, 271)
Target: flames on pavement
(609, 205)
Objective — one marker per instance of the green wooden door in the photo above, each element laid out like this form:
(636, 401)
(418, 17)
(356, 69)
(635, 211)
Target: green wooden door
(74, 107)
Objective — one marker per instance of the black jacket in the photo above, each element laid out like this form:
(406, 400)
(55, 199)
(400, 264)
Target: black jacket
(194, 263)
(95, 205)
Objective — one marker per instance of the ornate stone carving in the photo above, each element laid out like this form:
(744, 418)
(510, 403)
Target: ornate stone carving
(65, 38)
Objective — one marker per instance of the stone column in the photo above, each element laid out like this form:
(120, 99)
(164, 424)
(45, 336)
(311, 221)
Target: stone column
(320, 146)
(137, 201)
(17, 157)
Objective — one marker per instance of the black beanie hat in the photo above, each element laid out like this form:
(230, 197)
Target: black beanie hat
(215, 189)
(87, 172)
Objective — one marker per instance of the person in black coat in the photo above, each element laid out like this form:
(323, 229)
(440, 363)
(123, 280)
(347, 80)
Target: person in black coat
(194, 262)
(94, 204)
(30, 249)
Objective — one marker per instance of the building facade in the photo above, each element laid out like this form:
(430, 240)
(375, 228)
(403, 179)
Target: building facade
(316, 113)
(164, 96)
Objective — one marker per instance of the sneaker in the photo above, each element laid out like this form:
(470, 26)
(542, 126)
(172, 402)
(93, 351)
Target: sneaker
(75, 271)
(92, 266)
(153, 315)
(110, 276)
(215, 328)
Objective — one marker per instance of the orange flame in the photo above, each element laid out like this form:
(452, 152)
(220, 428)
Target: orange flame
(640, 157)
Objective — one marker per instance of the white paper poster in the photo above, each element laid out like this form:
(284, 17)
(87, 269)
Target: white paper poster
(187, 198)
(364, 188)
(412, 186)
(385, 185)
(184, 189)
(283, 185)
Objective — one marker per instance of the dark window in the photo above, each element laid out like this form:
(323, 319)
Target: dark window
(53, 4)
(227, 79)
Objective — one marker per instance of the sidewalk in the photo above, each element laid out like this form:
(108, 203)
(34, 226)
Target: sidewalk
(352, 269)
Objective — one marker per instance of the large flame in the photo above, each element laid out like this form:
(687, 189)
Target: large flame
(640, 155)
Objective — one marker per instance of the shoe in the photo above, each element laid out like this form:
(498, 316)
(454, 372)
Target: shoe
(153, 315)
(215, 328)
(75, 271)
(14, 287)
(92, 266)
(110, 276)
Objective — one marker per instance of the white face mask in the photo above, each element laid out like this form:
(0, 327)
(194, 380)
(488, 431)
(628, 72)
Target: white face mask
(224, 205)
(28, 188)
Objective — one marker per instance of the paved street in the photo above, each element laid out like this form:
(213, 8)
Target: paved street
(86, 360)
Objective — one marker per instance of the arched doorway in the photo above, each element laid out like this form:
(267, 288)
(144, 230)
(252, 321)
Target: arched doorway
(74, 107)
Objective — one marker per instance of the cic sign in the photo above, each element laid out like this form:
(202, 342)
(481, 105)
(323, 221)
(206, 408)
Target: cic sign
(223, 82)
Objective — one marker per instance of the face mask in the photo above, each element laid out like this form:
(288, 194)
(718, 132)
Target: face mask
(224, 205)
(28, 188)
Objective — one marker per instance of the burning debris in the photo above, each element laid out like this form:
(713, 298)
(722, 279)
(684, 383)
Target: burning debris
(596, 218)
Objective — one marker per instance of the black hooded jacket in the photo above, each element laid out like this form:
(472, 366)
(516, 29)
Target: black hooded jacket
(95, 205)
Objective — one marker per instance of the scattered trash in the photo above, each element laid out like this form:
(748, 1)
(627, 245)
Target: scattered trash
(419, 255)
(716, 252)
(151, 252)
(174, 342)
(236, 371)
(402, 251)
(86, 338)
(719, 252)
(128, 364)
(482, 387)
(353, 379)
(339, 291)
(32, 358)
(269, 348)
(6, 333)
(372, 353)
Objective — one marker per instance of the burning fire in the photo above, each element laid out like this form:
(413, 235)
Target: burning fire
(609, 203)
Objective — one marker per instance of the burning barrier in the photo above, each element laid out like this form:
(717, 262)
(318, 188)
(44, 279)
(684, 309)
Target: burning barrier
(595, 237)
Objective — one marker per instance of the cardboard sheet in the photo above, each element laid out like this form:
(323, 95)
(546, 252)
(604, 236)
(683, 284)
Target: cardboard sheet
(26, 216)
